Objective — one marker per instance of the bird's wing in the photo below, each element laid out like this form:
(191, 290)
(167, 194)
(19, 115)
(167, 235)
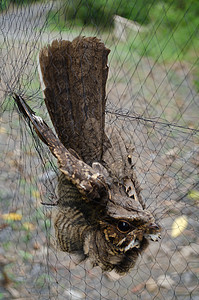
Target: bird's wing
(119, 161)
(73, 79)
(85, 178)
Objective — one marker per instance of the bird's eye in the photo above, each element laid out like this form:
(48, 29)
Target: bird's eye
(123, 226)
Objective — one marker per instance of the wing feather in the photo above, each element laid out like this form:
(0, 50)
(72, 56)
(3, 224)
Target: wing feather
(83, 176)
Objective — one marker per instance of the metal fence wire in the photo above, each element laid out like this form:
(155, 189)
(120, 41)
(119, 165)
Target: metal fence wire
(152, 98)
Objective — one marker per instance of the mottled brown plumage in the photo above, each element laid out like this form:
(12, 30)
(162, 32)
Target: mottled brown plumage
(100, 214)
(73, 76)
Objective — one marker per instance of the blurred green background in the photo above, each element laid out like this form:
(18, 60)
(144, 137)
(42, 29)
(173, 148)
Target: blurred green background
(171, 25)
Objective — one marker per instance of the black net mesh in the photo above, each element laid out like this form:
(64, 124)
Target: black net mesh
(152, 95)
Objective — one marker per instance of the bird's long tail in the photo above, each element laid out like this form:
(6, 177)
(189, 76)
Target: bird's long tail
(73, 79)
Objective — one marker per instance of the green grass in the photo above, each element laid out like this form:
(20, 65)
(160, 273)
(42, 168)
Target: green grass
(171, 35)
(26, 256)
(42, 280)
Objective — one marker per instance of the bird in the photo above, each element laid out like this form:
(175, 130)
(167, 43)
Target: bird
(100, 214)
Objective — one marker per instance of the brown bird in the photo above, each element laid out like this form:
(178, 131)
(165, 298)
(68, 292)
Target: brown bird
(100, 212)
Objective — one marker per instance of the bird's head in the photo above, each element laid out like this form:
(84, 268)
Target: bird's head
(125, 234)
(128, 225)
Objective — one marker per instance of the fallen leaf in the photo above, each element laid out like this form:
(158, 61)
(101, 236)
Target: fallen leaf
(28, 226)
(12, 217)
(2, 130)
(36, 194)
(179, 226)
(151, 285)
(36, 246)
(165, 281)
(194, 195)
(138, 288)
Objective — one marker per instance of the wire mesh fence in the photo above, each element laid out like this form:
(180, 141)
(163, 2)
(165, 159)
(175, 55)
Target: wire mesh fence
(152, 98)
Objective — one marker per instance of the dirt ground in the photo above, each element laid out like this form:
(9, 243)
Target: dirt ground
(167, 165)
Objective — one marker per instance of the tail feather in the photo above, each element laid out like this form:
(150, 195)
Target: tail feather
(73, 78)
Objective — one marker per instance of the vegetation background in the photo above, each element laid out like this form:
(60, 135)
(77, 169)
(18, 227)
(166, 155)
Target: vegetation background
(173, 24)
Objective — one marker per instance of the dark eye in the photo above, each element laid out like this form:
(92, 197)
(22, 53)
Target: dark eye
(123, 226)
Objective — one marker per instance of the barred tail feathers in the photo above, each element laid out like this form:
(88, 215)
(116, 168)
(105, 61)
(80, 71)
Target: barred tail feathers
(73, 79)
